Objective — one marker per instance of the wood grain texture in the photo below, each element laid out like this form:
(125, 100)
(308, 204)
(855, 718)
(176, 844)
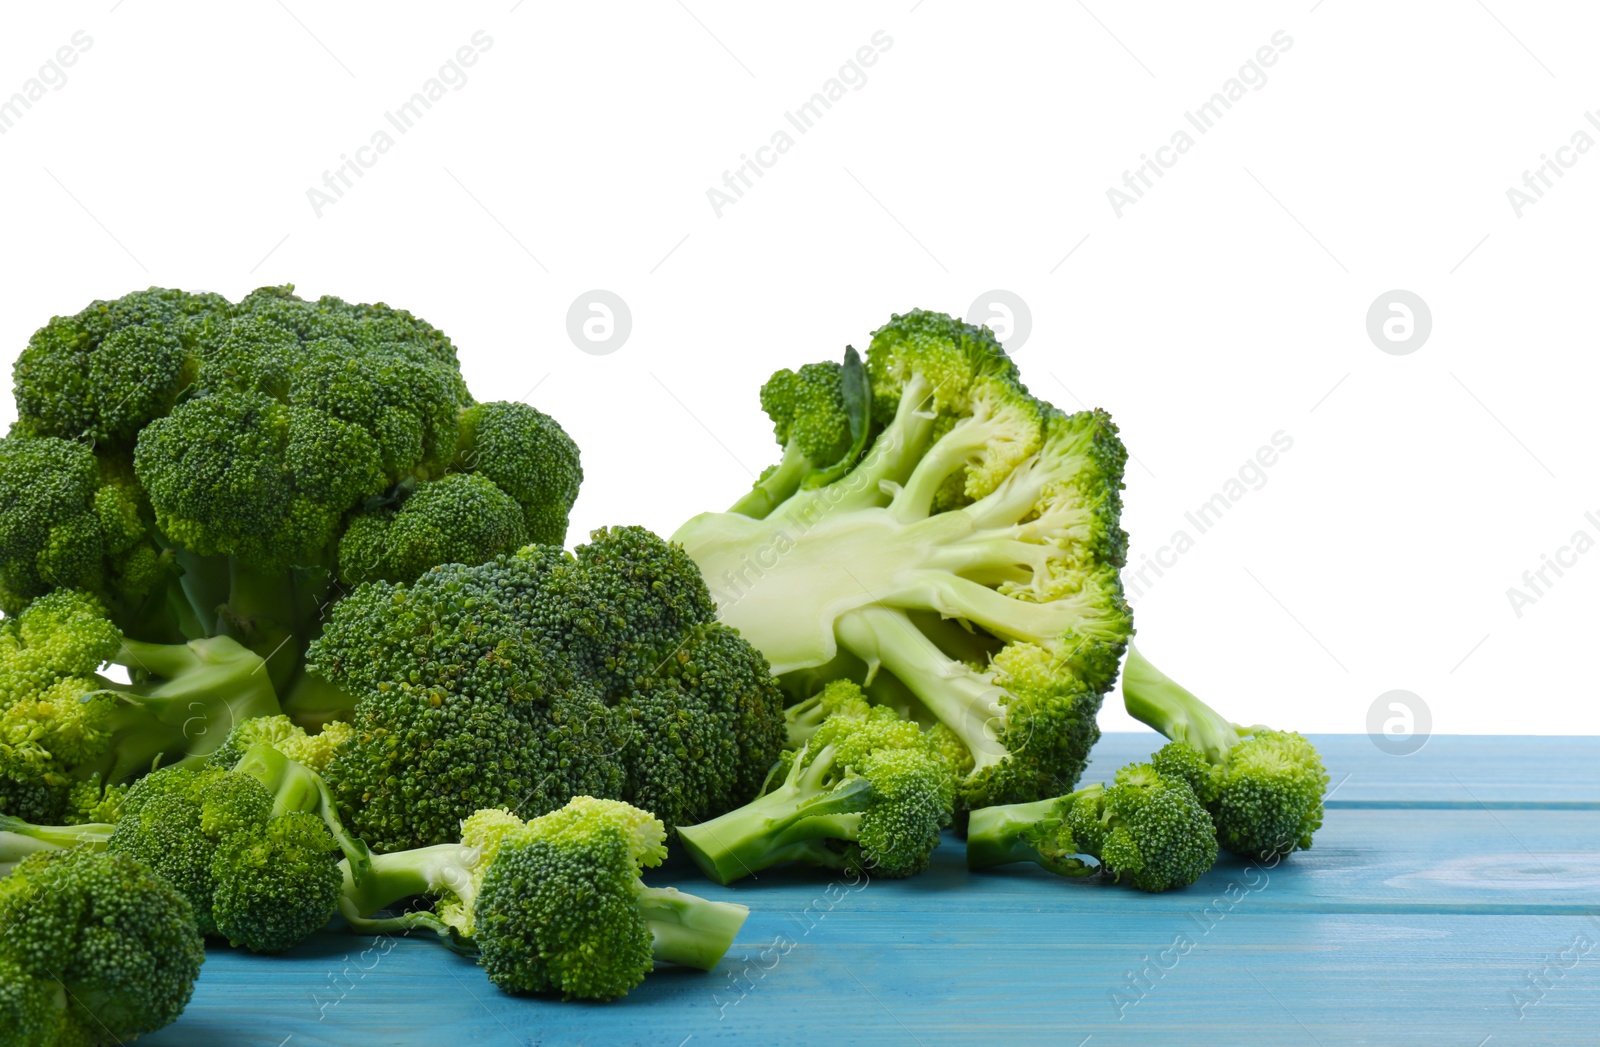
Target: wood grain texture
(1426, 920)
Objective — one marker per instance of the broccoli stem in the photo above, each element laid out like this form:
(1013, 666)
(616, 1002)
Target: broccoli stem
(1006, 834)
(777, 486)
(963, 699)
(18, 839)
(1156, 700)
(392, 878)
(276, 614)
(198, 692)
(791, 823)
(687, 929)
(295, 787)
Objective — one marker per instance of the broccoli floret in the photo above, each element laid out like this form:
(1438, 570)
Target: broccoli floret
(69, 737)
(963, 567)
(527, 455)
(311, 751)
(821, 415)
(1145, 826)
(201, 464)
(542, 676)
(867, 792)
(553, 905)
(97, 949)
(255, 849)
(1264, 788)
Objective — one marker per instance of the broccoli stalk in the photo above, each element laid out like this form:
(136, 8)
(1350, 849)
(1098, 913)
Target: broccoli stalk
(552, 904)
(1146, 826)
(1263, 787)
(19, 839)
(185, 700)
(964, 566)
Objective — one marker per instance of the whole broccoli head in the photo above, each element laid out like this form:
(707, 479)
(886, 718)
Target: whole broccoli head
(1146, 826)
(217, 469)
(255, 849)
(553, 905)
(1264, 788)
(97, 950)
(70, 738)
(962, 563)
(867, 791)
(541, 676)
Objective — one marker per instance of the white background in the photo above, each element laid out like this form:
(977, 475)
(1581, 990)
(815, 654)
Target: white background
(1228, 304)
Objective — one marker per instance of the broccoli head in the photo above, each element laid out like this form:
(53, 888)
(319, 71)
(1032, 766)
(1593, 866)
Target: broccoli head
(553, 905)
(1263, 787)
(541, 676)
(867, 791)
(97, 950)
(221, 469)
(1145, 826)
(963, 566)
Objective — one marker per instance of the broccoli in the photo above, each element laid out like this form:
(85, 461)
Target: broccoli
(963, 566)
(553, 905)
(311, 751)
(209, 469)
(867, 791)
(538, 677)
(1146, 826)
(255, 849)
(1264, 788)
(70, 738)
(19, 839)
(97, 949)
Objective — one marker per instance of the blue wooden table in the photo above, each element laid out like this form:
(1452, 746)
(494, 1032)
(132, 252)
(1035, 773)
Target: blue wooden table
(1452, 898)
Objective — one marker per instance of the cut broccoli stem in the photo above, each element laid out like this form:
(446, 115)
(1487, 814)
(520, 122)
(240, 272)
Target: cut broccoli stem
(295, 787)
(1156, 700)
(392, 878)
(787, 824)
(1007, 834)
(962, 698)
(200, 690)
(689, 930)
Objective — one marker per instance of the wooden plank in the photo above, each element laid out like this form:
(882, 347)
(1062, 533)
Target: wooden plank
(922, 978)
(1464, 771)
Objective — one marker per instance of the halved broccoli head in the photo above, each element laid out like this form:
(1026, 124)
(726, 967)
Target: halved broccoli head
(962, 566)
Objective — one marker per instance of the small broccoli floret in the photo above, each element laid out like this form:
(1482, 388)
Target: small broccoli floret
(1145, 826)
(963, 567)
(460, 518)
(821, 415)
(539, 677)
(311, 751)
(527, 455)
(114, 367)
(867, 792)
(255, 849)
(1264, 788)
(555, 905)
(96, 950)
(69, 737)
